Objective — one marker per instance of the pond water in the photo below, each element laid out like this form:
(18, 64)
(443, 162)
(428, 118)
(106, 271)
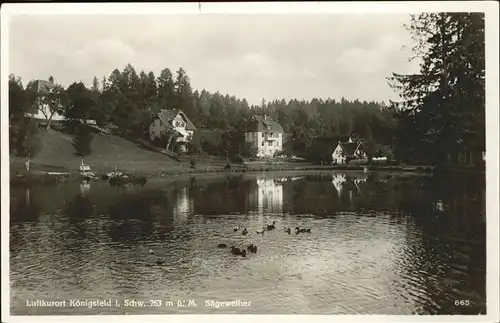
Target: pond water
(380, 243)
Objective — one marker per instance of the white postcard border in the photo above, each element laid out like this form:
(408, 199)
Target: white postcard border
(299, 8)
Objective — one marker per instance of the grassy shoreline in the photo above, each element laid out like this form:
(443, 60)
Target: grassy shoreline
(46, 173)
(58, 162)
(56, 173)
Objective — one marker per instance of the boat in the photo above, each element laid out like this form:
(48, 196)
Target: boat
(119, 178)
(86, 173)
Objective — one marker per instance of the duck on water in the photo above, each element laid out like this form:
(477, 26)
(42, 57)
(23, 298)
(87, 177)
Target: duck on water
(299, 230)
(252, 248)
(271, 226)
(238, 252)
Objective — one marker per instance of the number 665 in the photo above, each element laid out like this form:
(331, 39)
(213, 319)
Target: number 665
(462, 302)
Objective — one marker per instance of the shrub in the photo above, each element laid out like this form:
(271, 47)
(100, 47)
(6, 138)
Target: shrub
(29, 142)
(249, 150)
(82, 140)
(192, 163)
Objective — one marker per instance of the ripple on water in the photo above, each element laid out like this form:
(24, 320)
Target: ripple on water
(367, 261)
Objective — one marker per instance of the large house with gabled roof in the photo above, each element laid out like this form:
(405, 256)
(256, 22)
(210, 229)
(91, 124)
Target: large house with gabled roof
(266, 135)
(167, 120)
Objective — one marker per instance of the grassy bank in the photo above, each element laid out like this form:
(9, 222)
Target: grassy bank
(58, 156)
(45, 177)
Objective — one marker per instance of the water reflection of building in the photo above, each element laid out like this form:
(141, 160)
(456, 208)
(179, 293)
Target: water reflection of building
(269, 195)
(439, 206)
(84, 188)
(28, 199)
(338, 181)
(358, 181)
(183, 206)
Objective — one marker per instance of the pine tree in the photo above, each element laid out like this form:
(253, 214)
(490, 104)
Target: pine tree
(444, 102)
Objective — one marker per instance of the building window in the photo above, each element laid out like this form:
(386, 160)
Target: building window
(262, 144)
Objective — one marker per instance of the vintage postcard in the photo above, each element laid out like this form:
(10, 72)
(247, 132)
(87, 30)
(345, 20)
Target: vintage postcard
(250, 161)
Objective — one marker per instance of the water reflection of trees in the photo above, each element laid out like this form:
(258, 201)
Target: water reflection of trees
(446, 211)
(24, 211)
(327, 194)
(132, 216)
(24, 205)
(228, 196)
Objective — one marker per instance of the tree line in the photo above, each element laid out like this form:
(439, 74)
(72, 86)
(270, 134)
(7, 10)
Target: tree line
(130, 100)
(441, 113)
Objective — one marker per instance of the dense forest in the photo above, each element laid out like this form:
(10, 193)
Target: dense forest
(441, 113)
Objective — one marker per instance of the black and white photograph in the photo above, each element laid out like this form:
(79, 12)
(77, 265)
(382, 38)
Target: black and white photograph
(250, 159)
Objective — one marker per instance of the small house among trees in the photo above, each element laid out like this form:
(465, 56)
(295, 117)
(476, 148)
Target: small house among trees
(348, 150)
(169, 125)
(43, 107)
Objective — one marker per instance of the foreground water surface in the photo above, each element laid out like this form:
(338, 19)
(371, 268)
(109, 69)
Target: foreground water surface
(380, 243)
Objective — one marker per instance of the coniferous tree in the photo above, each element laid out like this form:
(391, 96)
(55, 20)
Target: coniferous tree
(443, 105)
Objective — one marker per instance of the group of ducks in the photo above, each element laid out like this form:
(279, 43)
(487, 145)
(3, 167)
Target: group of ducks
(240, 252)
(253, 248)
(270, 227)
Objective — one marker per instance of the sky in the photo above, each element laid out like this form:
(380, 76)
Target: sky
(249, 56)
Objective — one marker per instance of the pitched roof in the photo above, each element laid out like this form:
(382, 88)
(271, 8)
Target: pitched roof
(166, 117)
(350, 147)
(42, 86)
(260, 123)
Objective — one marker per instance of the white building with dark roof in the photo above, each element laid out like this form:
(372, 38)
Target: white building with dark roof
(41, 110)
(348, 150)
(265, 134)
(167, 120)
